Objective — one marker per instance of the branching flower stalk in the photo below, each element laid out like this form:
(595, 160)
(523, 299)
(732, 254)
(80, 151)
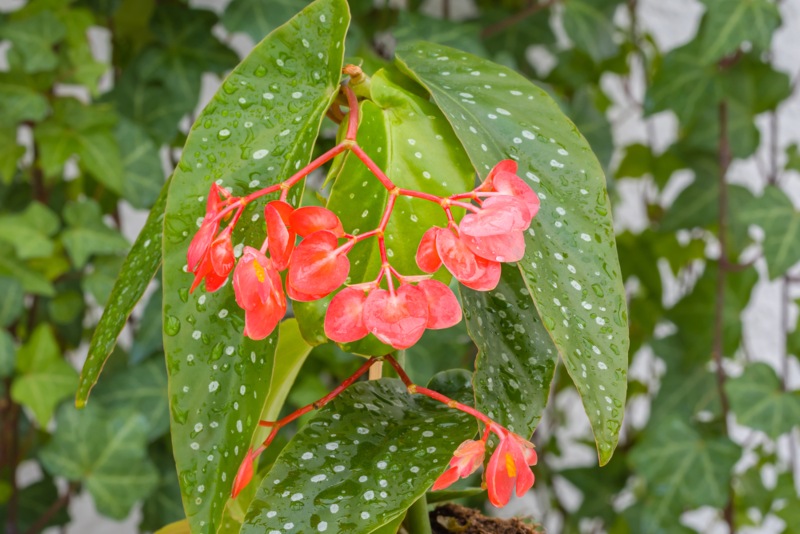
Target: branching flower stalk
(395, 307)
(508, 468)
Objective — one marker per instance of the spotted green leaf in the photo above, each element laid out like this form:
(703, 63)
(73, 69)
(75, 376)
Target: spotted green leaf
(105, 451)
(731, 22)
(516, 358)
(363, 459)
(291, 353)
(139, 268)
(45, 378)
(257, 130)
(570, 268)
(684, 468)
(758, 401)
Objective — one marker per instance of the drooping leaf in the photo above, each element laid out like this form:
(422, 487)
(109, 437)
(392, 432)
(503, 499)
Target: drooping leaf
(732, 22)
(517, 357)
(570, 266)
(758, 401)
(684, 468)
(139, 268)
(45, 377)
(106, 451)
(217, 377)
(363, 459)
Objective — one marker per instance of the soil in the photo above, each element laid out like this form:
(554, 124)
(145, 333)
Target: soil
(452, 518)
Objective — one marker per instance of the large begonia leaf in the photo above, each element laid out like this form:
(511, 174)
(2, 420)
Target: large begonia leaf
(516, 358)
(139, 268)
(570, 267)
(363, 459)
(412, 142)
(257, 130)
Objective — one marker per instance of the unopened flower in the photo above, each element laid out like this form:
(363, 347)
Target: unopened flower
(465, 461)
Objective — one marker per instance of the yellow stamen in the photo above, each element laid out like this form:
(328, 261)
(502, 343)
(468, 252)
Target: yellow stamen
(260, 273)
(510, 465)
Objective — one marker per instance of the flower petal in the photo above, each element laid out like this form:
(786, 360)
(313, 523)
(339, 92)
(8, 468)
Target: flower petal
(443, 308)
(445, 479)
(427, 257)
(344, 320)
(501, 475)
(504, 248)
(200, 243)
(498, 215)
(398, 320)
(511, 184)
(316, 269)
(309, 219)
(281, 239)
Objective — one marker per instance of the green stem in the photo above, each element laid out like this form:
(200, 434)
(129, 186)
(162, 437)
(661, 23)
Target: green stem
(417, 520)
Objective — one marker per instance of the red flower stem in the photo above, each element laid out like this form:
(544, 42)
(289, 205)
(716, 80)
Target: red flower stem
(474, 195)
(352, 120)
(277, 425)
(443, 202)
(373, 167)
(413, 388)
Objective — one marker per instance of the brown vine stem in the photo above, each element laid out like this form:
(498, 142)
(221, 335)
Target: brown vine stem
(725, 158)
(52, 510)
(530, 10)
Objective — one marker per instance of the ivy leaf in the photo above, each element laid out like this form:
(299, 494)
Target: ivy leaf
(8, 354)
(694, 314)
(684, 468)
(731, 22)
(19, 101)
(684, 83)
(216, 376)
(516, 358)
(589, 24)
(87, 234)
(758, 401)
(31, 279)
(257, 19)
(29, 231)
(775, 213)
(45, 377)
(463, 35)
(143, 386)
(10, 153)
(33, 38)
(107, 452)
(143, 177)
(85, 131)
(363, 459)
(33, 503)
(13, 300)
(137, 271)
(570, 266)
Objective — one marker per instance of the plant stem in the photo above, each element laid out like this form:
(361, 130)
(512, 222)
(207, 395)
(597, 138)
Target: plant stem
(417, 519)
(725, 158)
